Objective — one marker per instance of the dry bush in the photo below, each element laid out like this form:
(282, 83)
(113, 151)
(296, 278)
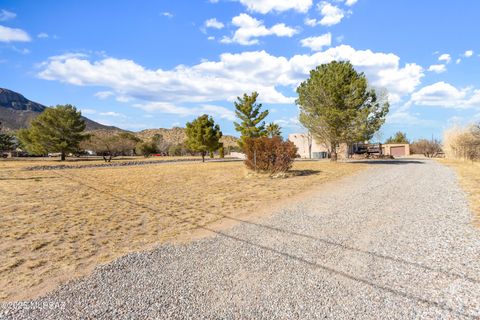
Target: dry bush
(463, 143)
(429, 148)
(270, 155)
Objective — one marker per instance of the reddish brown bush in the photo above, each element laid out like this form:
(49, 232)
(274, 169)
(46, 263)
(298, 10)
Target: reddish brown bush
(269, 154)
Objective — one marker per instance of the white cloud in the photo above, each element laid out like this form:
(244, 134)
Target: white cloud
(468, 53)
(437, 68)
(226, 78)
(211, 38)
(311, 22)
(88, 111)
(350, 2)
(331, 14)
(169, 108)
(112, 114)
(317, 43)
(7, 15)
(104, 94)
(458, 61)
(20, 50)
(249, 29)
(42, 35)
(11, 34)
(445, 57)
(214, 23)
(266, 6)
(442, 94)
(167, 14)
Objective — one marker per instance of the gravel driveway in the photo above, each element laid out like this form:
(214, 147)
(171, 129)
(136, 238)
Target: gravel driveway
(393, 242)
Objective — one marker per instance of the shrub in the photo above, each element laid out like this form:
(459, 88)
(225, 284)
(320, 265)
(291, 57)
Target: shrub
(147, 149)
(270, 155)
(429, 148)
(463, 143)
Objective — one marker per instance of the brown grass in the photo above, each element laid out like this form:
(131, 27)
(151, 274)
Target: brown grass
(469, 178)
(60, 224)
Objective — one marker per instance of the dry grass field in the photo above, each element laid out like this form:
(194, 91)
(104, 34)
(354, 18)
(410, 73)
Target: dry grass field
(469, 177)
(59, 224)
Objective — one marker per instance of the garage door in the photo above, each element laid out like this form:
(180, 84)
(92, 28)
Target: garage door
(397, 151)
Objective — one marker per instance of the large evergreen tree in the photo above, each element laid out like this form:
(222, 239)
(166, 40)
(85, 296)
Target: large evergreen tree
(203, 135)
(59, 129)
(251, 116)
(337, 106)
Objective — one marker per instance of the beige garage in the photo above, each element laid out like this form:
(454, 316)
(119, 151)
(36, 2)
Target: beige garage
(396, 150)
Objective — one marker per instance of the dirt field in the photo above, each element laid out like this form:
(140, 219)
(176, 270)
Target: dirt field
(59, 224)
(469, 177)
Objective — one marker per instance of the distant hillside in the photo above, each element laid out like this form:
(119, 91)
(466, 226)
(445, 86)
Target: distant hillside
(177, 135)
(16, 112)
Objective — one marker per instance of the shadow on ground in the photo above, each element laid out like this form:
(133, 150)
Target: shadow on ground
(383, 161)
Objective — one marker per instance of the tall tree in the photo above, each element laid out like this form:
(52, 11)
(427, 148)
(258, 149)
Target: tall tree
(203, 135)
(59, 129)
(7, 142)
(399, 137)
(273, 130)
(251, 116)
(337, 106)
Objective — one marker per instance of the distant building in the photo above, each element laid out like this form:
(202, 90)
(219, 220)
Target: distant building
(396, 149)
(320, 150)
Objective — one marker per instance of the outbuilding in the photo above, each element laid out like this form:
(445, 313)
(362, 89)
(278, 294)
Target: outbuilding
(396, 149)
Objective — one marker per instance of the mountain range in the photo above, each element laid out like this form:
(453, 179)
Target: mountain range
(16, 112)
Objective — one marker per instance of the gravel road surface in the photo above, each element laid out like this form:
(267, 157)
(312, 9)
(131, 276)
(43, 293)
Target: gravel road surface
(393, 242)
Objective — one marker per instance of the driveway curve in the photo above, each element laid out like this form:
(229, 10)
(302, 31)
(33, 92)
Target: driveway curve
(394, 241)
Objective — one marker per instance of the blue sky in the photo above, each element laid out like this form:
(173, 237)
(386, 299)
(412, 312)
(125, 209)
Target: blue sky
(149, 64)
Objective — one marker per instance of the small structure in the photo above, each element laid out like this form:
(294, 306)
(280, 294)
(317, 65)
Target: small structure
(396, 149)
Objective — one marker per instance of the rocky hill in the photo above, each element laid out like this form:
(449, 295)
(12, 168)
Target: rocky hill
(177, 135)
(16, 112)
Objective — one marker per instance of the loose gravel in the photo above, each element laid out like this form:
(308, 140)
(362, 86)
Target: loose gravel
(393, 242)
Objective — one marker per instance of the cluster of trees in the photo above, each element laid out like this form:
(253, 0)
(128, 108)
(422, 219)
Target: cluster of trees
(61, 129)
(463, 143)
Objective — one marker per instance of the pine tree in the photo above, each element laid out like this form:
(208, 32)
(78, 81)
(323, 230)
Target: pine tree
(203, 135)
(252, 124)
(337, 106)
(6, 141)
(59, 129)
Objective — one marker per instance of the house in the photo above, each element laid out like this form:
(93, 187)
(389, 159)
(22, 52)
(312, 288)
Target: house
(318, 150)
